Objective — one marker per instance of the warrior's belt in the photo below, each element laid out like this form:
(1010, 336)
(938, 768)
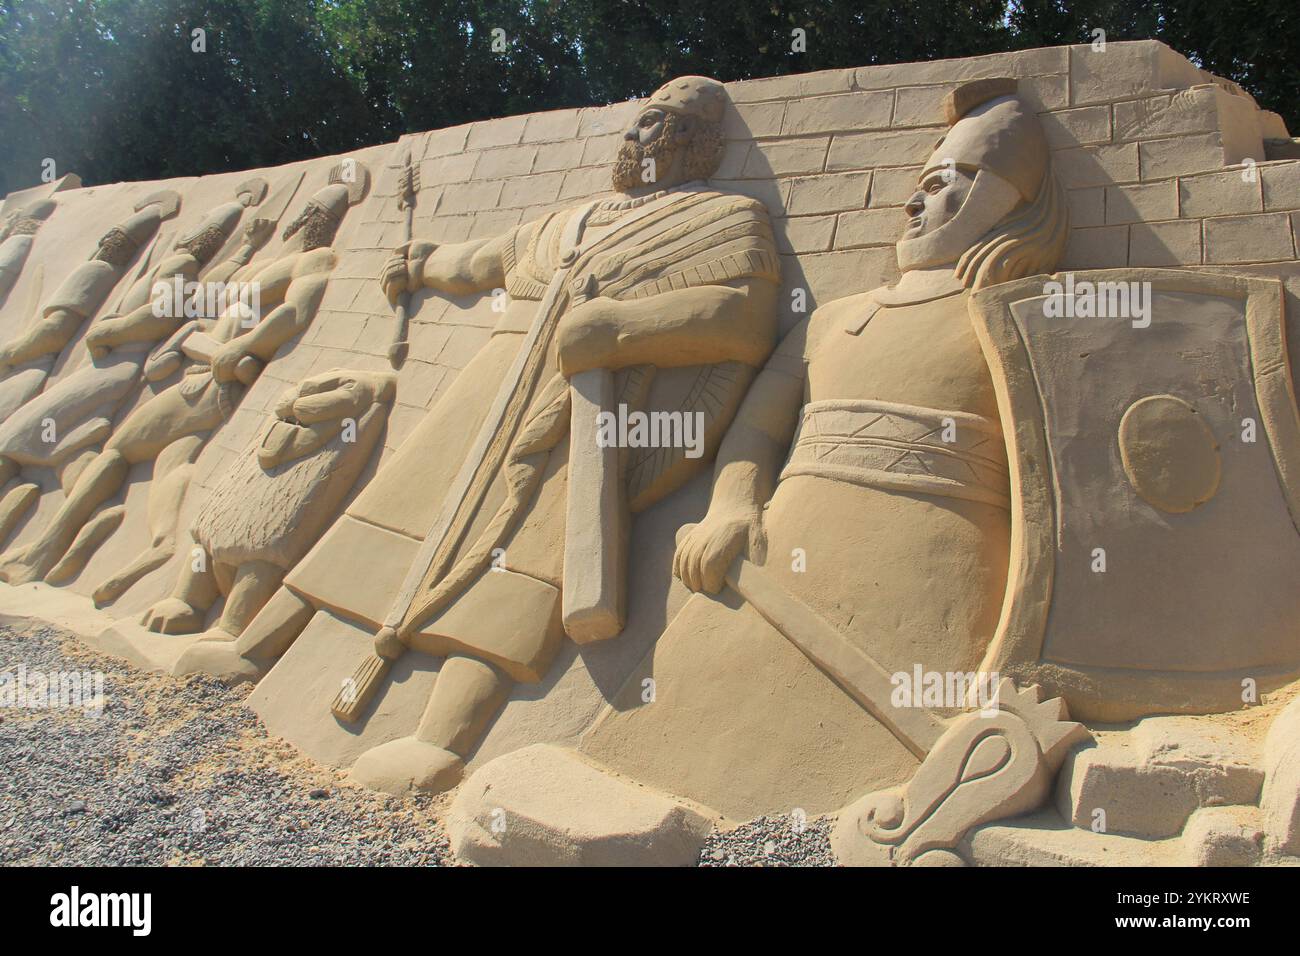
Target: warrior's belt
(902, 448)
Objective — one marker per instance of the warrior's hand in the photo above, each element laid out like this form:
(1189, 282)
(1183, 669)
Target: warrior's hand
(257, 232)
(226, 361)
(388, 644)
(403, 272)
(162, 365)
(100, 339)
(706, 550)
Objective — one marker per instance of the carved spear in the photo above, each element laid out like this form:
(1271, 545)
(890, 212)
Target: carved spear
(407, 188)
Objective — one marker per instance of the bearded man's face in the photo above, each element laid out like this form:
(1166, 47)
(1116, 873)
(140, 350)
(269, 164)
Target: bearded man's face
(204, 244)
(317, 227)
(654, 136)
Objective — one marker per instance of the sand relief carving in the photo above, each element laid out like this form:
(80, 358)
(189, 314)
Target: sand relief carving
(17, 233)
(269, 509)
(26, 360)
(876, 422)
(174, 466)
(172, 426)
(79, 409)
(955, 428)
(660, 298)
(219, 286)
(79, 412)
(907, 480)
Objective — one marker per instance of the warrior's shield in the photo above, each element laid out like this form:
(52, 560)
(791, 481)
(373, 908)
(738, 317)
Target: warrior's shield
(1154, 445)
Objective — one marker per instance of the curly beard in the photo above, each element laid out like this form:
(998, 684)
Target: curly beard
(116, 248)
(701, 154)
(317, 228)
(204, 245)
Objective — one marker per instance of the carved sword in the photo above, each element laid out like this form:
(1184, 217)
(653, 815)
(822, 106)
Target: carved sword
(857, 673)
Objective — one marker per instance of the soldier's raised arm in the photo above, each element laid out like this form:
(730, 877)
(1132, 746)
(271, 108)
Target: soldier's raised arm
(458, 268)
(89, 284)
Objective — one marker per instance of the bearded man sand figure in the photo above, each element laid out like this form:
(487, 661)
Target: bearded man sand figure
(670, 285)
(866, 476)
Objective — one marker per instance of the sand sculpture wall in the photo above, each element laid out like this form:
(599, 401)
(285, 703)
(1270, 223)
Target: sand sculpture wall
(1164, 166)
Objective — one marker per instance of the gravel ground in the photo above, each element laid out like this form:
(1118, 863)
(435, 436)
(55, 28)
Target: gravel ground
(771, 841)
(179, 772)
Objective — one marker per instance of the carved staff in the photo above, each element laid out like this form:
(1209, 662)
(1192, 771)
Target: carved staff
(482, 463)
(407, 188)
(475, 472)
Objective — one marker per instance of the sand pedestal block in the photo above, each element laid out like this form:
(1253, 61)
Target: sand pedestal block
(1213, 836)
(1044, 839)
(35, 605)
(1148, 781)
(546, 806)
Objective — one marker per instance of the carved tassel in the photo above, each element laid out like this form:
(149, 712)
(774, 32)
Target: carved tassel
(357, 691)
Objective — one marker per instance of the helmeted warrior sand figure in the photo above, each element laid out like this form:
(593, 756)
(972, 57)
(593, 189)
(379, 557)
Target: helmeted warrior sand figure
(27, 359)
(523, 516)
(268, 510)
(83, 404)
(228, 360)
(17, 232)
(864, 480)
(54, 429)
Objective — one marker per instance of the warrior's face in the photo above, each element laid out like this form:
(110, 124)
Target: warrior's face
(663, 149)
(953, 208)
(939, 196)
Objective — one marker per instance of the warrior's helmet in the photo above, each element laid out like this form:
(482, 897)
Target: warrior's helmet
(1013, 221)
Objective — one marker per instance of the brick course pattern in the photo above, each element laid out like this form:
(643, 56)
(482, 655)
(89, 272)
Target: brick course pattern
(1165, 165)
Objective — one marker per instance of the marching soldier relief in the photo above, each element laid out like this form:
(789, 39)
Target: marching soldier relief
(911, 448)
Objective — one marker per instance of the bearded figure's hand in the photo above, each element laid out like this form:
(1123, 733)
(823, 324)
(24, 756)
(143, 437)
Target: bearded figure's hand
(404, 270)
(388, 644)
(706, 550)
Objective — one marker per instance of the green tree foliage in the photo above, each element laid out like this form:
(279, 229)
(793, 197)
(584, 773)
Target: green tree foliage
(115, 89)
